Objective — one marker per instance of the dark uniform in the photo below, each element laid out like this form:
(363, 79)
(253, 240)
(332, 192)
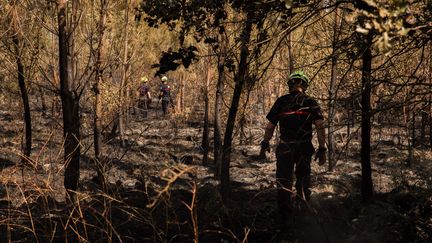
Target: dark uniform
(295, 113)
(165, 96)
(144, 98)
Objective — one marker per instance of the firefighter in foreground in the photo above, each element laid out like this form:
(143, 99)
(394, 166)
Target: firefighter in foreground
(295, 112)
(165, 95)
(144, 96)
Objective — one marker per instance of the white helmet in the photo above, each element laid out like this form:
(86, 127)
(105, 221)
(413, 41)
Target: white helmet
(164, 79)
(144, 79)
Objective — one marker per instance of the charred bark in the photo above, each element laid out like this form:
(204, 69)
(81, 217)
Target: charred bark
(27, 146)
(332, 94)
(239, 78)
(217, 126)
(366, 183)
(70, 109)
(97, 126)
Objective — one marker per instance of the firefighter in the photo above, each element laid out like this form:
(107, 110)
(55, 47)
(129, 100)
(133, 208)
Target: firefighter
(296, 113)
(165, 95)
(144, 96)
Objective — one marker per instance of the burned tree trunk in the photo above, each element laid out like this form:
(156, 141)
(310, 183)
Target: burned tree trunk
(366, 183)
(217, 127)
(205, 142)
(239, 78)
(70, 108)
(123, 94)
(27, 146)
(97, 126)
(332, 94)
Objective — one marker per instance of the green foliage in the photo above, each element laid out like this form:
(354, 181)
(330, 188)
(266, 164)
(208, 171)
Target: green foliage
(390, 20)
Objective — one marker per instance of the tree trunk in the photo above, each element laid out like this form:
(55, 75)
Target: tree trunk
(217, 127)
(43, 102)
(98, 100)
(424, 120)
(366, 184)
(290, 55)
(181, 94)
(413, 129)
(27, 146)
(123, 92)
(205, 141)
(239, 82)
(332, 94)
(70, 109)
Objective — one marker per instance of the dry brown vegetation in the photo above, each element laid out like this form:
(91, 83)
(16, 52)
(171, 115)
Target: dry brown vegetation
(155, 186)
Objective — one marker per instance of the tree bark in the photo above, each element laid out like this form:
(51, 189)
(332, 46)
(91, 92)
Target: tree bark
(413, 129)
(424, 120)
(332, 94)
(217, 126)
(70, 109)
(27, 146)
(123, 92)
(239, 83)
(366, 184)
(205, 142)
(97, 127)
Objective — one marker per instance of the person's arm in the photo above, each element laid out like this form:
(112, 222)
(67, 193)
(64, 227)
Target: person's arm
(268, 134)
(321, 134)
(319, 125)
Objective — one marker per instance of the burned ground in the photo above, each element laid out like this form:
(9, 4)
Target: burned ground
(159, 191)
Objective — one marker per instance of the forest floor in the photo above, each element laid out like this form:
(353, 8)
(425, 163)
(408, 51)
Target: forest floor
(159, 190)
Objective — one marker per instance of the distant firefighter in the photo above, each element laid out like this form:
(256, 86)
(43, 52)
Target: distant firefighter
(144, 96)
(165, 95)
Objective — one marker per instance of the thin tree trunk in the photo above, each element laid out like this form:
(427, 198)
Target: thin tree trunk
(366, 185)
(27, 146)
(181, 94)
(98, 99)
(217, 126)
(290, 55)
(332, 94)
(123, 92)
(413, 129)
(239, 83)
(43, 102)
(424, 120)
(70, 108)
(205, 141)
(430, 121)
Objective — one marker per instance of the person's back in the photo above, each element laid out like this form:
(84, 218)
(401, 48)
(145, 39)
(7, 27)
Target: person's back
(144, 97)
(295, 113)
(144, 91)
(165, 92)
(165, 95)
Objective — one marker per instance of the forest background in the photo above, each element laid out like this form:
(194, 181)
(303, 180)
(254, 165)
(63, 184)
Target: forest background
(79, 162)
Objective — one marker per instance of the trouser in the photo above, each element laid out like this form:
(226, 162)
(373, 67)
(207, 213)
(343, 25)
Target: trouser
(143, 106)
(290, 155)
(165, 104)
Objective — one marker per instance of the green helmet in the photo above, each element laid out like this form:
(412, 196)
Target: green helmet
(298, 75)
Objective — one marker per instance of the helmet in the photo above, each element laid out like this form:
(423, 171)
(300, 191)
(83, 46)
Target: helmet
(298, 75)
(164, 79)
(144, 79)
